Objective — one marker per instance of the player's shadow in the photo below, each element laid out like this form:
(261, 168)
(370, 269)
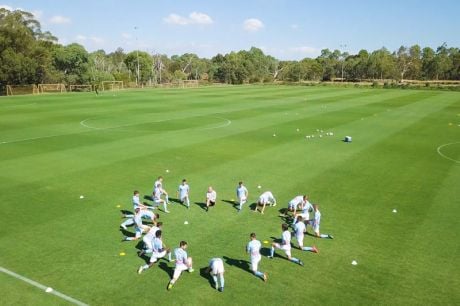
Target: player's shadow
(253, 206)
(235, 204)
(239, 263)
(148, 197)
(205, 274)
(201, 205)
(139, 245)
(127, 233)
(126, 212)
(164, 266)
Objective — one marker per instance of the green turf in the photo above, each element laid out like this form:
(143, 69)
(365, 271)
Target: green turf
(54, 148)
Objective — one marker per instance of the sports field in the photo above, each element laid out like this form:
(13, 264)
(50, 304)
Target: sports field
(405, 156)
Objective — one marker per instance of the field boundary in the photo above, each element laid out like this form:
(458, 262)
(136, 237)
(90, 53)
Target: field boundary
(43, 287)
(445, 156)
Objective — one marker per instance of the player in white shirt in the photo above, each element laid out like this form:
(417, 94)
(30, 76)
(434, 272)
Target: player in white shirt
(285, 245)
(216, 268)
(137, 204)
(242, 195)
(297, 203)
(159, 184)
(157, 192)
(148, 239)
(253, 249)
(140, 228)
(159, 251)
(264, 199)
(307, 208)
(211, 197)
(299, 231)
(183, 193)
(183, 262)
(315, 224)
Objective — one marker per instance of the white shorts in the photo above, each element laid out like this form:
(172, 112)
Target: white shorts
(243, 200)
(217, 267)
(148, 213)
(178, 270)
(285, 247)
(314, 226)
(292, 205)
(184, 198)
(155, 256)
(304, 216)
(157, 201)
(139, 232)
(255, 263)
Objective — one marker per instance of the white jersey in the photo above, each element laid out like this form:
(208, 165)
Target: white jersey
(211, 196)
(158, 184)
(299, 229)
(157, 193)
(217, 266)
(266, 197)
(138, 220)
(317, 219)
(136, 201)
(157, 245)
(253, 248)
(181, 256)
(183, 190)
(241, 192)
(298, 200)
(286, 237)
(151, 233)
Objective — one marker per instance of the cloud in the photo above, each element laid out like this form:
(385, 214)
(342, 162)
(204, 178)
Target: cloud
(193, 18)
(60, 20)
(252, 25)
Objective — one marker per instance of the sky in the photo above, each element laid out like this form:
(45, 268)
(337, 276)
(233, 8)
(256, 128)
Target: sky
(285, 29)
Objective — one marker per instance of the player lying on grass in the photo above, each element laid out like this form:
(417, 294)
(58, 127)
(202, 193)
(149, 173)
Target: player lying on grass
(183, 193)
(315, 224)
(148, 239)
(159, 251)
(285, 245)
(139, 227)
(216, 268)
(253, 249)
(299, 231)
(211, 197)
(264, 199)
(242, 195)
(183, 262)
(297, 203)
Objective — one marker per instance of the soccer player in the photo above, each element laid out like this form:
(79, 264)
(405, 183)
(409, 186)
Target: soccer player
(307, 208)
(285, 245)
(216, 268)
(297, 203)
(299, 231)
(183, 192)
(159, 251)
(315, 224)
(211, 197)
(253, 248)
(140, 228)
(183, 262)
(242, 194)
(157, 192)
(264, 199)
(159, 184)
(148, 239)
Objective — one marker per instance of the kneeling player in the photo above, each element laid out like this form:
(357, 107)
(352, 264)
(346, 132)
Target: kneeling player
(253, 248)
(216, 268)
(159, 251)
(183, 192)
(299, 230)
(211, 197)
(183, 262)
(315, 224)
(285, 245)
(264, 199)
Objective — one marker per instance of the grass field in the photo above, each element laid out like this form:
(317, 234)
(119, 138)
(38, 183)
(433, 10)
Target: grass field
(405, 155)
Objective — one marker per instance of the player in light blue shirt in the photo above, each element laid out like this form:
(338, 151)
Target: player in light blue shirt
(242, 195)
(183, 193)
(299, 231)
(216, 268)
(183, 262)
(285, 245)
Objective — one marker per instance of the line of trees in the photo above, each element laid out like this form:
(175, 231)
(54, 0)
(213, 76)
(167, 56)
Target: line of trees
(30, 56)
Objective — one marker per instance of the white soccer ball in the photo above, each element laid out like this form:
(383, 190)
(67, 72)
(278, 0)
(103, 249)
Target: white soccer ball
(354, 262)
(167, 171)
(82, 197)
(298, 130)
(259, 186)
(48, 290)
(274, 135)
(332, 134)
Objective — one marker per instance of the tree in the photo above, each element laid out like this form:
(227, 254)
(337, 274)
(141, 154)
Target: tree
(145, 62)
(73, 61)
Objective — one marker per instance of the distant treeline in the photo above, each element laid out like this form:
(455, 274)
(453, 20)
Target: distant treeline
(30, 56)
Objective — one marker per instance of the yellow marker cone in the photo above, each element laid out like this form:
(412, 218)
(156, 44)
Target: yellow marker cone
(265, 241)
(122, 253)
(118, 206)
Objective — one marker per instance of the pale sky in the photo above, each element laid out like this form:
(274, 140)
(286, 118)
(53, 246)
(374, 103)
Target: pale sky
(287, 30)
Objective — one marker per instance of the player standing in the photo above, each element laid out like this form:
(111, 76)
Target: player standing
(216, 268)
(159, 184)
(183, 193)
(242, 195)
(285, 245)
(211, 197)
(253, 248)
(183, 262)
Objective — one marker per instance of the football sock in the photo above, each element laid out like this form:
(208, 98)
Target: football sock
(222, 281)
(169, 256)
(324, 236)
(272, 252)
(167, 199)
(145, 267)
(128, 222)
(214, 277)
(307, 248)
(293, 259)
(259, 274)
